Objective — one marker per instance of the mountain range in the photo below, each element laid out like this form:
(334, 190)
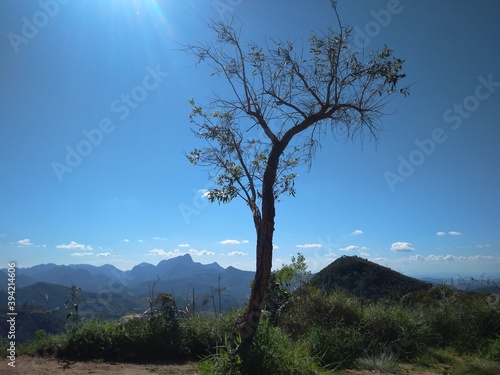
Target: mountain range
(107, 285)
(44, 299)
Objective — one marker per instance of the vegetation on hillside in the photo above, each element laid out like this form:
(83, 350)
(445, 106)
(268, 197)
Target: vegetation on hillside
(366, 280)
(311, 332)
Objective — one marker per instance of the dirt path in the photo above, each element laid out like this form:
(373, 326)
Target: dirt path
(44, 366)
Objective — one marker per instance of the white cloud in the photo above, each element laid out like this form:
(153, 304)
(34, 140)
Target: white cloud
(275, 247)
(74, 245)
(452, 258)
(141, 241)
(379, 260)
(234, 253)
(183, 245)
(126, 240)
(357, 232)
(233, 242)
(402, 246)
(310, 246)
(103, 254)
(25, 242)
(81, 254)
(201, 252)
(353, 247)
(417, 258)
(451, 233)
(482, 246)
(166, 254)
(364, 254)
(159, 238)
(330, 255)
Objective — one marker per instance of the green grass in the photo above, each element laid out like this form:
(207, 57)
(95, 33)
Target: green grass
(272, 352)
(43, 344)
(443, 330)
(449, 361)
(384, 362)
(477, 366)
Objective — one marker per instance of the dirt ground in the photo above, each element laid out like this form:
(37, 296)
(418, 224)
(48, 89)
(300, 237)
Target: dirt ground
(26, 365)
(44, 366)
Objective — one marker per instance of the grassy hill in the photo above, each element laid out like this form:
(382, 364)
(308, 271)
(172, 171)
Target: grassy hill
(366, 280)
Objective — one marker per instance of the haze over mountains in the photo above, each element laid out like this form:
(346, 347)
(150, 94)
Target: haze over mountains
(179, 276)
(105, 292)
(184, 278)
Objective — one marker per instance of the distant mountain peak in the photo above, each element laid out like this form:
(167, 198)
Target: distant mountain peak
(181, 259)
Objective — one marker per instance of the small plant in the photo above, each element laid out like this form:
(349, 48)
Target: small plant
(494, 350)
(223, 362)
(73, 302)
(384, 362)
(43, 344)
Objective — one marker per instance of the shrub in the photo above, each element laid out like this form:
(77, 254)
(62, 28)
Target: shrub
(157, 337)
(494, 350)
(396, 329)
(464, 321)
(223, 362)
(337, 347)
(313, 308)
(43, 344)
(384, 363)
(202, 334)
(271, 352)
(477, 367)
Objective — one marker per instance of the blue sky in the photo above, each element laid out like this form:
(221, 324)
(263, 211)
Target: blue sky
(93, 127)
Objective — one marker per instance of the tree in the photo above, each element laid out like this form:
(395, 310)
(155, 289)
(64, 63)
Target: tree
(295, 275)
(282, 282)
(306, 91)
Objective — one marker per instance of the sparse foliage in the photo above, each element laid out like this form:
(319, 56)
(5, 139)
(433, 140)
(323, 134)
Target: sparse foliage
(283, 282)
(72, 304)
(293, 95)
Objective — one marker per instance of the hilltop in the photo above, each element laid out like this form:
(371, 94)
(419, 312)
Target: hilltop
(366, 280)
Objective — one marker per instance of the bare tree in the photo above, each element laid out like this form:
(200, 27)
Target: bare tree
(308, 91)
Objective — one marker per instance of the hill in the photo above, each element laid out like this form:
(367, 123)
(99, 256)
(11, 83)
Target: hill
(178, 276)
(364, 279)
(108, 293)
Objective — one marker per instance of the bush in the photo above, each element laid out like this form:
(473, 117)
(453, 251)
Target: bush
(464, 321)
(43, 344)
(311, 330)
(138, 339)
(272, 352)
(383, 363)
(396, 330)
(313, 308)
(202, 334)
(337, 347)
(494, 350)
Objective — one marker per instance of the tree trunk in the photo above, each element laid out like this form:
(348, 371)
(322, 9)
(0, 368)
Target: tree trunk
(264, 250)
